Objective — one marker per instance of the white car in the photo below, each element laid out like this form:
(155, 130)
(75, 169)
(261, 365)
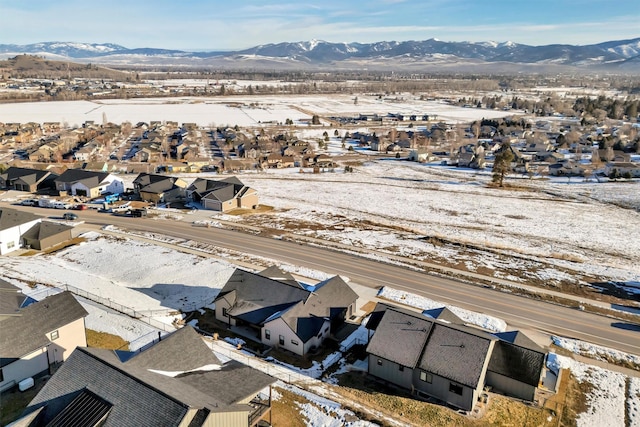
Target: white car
(62, 205)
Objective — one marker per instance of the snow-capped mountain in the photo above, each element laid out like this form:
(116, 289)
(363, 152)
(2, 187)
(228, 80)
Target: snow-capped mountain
(321, 53)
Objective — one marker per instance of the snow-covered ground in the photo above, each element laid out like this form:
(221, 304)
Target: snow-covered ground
(608, 400)
(232, 110)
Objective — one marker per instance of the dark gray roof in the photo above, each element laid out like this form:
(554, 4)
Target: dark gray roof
(11, 298)
(133, 402)
(520, 363)
(457, 353)
(10, 218)
(171, 355)
(400, 337)
(87, 409)
(223, 190)
(27, 332)
(142, 396)
(156, 184)
(444, 314)
(71, 176)
(275, 273)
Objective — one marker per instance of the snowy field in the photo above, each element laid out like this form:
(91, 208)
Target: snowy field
(548, 232)
(231, 110)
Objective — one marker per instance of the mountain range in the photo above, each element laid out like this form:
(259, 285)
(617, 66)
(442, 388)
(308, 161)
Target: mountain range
(621, 55)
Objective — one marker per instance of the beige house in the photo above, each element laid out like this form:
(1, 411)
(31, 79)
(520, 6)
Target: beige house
(41, 335)
(223, 195)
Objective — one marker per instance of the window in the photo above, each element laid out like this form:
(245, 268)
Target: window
(11, 244)
(401, 368)
(54, 335)
(379, 362)
(325, 330)
(281, 339)
(294, 342)
(455, 388)
(224, 312)
(1, 375)
(267, 334)
(426, 377)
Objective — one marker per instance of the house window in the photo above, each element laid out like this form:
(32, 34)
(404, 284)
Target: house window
(267, 334)
(379, 362)
(281, 339)
(455, 388)
(54, 335)
(11, 244)
(401, 368)
(224, 312)
(325, 330)
(294, 342)
(426, 377)
(1, 375)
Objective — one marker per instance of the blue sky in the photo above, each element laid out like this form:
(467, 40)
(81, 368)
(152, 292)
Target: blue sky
(226, 25)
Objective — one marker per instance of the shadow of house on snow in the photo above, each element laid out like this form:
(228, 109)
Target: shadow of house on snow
(626, 290)
(179, 296)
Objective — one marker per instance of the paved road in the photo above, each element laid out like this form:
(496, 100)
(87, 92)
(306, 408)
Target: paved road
(518, 312)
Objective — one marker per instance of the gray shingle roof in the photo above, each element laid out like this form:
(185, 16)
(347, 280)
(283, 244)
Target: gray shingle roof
(519, 338)
(71, 176)
(400, 337)
(30, 176)
(10, 218)
(255, 298)
(520, 363)
(141, 396)
(27, 332)
(222, 190)
(457, 353)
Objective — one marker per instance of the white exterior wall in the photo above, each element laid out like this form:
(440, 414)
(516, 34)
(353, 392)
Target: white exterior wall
(221, 305)
(13, 236)
(116, 185)
(28, 366)
(69, 337)
(278, 327)
(73, 189)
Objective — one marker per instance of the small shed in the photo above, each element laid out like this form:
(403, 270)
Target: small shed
(47, 234)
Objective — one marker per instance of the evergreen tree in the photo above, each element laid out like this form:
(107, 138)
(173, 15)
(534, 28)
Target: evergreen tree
(502, 164)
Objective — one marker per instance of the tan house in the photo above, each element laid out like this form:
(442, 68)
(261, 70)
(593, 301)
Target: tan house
(223, 195)
(159, 188)
(43, 334)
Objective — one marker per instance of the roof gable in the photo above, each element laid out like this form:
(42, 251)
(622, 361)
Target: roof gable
(10, 218)
(71, 176)
(26, 333)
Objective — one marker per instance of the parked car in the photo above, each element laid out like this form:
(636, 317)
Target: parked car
(29, 202)
(138, 213)
(70, 216)
(81, 207)
(62, 205)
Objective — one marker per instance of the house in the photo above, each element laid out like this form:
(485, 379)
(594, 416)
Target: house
(439, 357)
(283, 313)
(43, 334)
(159, 188)
(163, 385)
(223, 195)
(47, 234)
(79, 182)
(13, 225)
(25, 179)
(419, 155)
(622, 169)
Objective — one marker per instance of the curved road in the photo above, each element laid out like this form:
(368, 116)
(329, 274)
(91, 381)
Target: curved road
(518, 312)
